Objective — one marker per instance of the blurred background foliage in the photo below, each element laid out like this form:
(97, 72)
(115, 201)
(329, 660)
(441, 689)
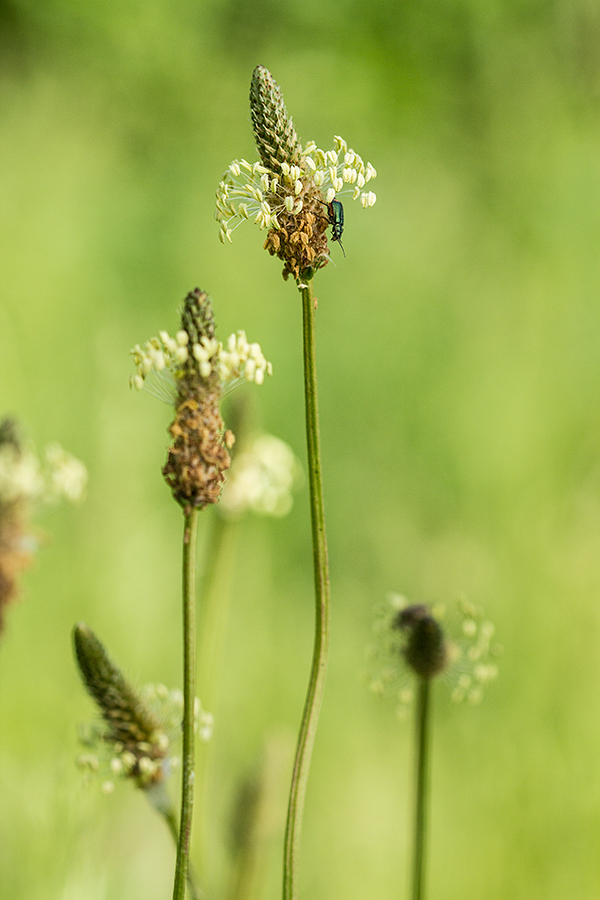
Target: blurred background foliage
(459, 383)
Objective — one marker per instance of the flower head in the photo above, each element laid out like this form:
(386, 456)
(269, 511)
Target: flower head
(24, 477)
(26, 483)
(193, 370)
(428, 641)
(287, 192)
(134, 739)
(130, 727)
(262, 478)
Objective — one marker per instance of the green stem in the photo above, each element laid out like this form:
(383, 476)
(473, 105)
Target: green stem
(159, 799)
(421, 779)
(189, 694)
(316, 684)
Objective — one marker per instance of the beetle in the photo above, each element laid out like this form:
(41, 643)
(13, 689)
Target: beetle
(335, 217)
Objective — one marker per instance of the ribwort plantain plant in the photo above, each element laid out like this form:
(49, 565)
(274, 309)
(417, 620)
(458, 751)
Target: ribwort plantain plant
(418, 644)
(286, 192)
(193, 370)
(135, 734)
(291, 193)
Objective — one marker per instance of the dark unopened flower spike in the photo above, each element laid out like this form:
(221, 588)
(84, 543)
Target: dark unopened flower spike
(192, 371)
(137, 737)
(456, 643)
(287, 191)
(426, 650)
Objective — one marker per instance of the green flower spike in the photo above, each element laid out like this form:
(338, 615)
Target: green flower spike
(137, 739)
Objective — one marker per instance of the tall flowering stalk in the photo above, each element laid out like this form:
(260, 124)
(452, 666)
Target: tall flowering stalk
(291, 192)
(192, 370)
(462, 651)
(426, 653)
(134, 729)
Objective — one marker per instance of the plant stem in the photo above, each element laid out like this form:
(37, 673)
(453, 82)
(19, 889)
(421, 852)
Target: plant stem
(189, 694)
(159, 799)
(421, 782)
(316, 683)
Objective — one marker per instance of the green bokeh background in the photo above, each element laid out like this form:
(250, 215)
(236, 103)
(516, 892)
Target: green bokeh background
(459, 369)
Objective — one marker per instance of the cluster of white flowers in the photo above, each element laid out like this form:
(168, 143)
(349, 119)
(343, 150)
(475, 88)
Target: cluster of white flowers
(339, 168)
(242, 195)
(251, 191)
(167, 705)
(165, 356)
(23, 476)
(261, 479)
(66, 475)
(474, 654)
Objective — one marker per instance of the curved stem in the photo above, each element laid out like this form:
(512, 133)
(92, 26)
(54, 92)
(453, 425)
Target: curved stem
(316, 684)
(421, 779)
(189, 694)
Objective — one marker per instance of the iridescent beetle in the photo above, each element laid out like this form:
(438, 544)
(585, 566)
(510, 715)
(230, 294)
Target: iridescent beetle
(335, 217)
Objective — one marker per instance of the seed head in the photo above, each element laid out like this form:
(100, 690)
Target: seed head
(199, 456)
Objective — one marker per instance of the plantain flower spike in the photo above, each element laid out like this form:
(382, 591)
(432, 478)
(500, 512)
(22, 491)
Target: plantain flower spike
(135, 735)
(416, 639)
(192, 371)
(288, 191)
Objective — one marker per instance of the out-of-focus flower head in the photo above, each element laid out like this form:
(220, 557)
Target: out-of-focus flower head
(453, 641)
(27, 484)
(134, 739)
(262, 479)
